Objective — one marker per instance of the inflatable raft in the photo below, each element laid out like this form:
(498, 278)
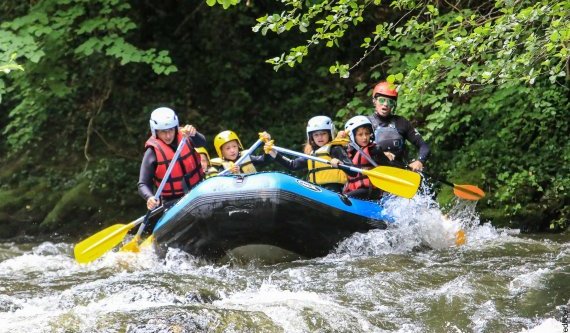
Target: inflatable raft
(225, 212)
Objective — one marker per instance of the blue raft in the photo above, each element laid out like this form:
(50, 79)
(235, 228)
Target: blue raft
(270, 208)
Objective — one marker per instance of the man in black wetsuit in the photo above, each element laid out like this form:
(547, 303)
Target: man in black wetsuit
(391, 130)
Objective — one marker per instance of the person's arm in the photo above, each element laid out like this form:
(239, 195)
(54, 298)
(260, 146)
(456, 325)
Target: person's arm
(340, 154)
(412, 135)
(259, 160)
(146, 174)
(300, 163)
(380, 158)
(199, 140)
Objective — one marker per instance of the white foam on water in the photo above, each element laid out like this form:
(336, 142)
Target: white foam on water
(288, 309)
(458, 287)
(47, 260)
(32, 263)
(420, 222)
(549, 325)
(485, 313)
(118, 260)
(531, 280)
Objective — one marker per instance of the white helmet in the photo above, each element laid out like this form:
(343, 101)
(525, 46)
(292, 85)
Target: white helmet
(355, 122)
(162, 119)
(320, 123)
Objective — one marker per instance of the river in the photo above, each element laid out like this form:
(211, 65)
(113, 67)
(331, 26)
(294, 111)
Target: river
(412, 278)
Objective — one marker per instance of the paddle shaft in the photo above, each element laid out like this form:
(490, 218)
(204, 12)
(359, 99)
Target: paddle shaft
(162, 184)
(473, 192)
(244, 156)
(101, 242)
(366, 156)
(462, 188)
(170, 167)
(443, 181)
(459, 236)
(314, 158)
(96, 245)
(148, 215)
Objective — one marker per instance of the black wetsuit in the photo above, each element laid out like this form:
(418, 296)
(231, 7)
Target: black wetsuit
(146, 176)
(391, 132)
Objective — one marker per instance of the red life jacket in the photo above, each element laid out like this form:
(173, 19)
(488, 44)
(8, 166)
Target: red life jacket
(359, 161)
(186, 173)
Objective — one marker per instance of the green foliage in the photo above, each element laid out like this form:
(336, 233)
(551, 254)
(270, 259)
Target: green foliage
(517, 138)
(469, 73)
(6, 66)
(109, 176)
(485, 84)
(57, 40)
(331, 21)
(224, 3)
(504, 43)
(71, 204)
(10, 65)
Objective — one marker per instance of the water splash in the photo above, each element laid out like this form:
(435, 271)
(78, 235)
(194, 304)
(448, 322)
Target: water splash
(297, 311)
(420, 223)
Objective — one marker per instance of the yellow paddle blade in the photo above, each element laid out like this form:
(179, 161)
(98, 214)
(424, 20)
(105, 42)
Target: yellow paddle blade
(148, 242)
(468, 192)
(103, 241)
(132, 245)
(397, 181)
(460, 238)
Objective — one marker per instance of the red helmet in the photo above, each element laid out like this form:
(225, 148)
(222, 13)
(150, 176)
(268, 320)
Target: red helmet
(385, 88)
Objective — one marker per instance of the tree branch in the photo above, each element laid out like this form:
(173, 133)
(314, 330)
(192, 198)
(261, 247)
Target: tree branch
(90, 128)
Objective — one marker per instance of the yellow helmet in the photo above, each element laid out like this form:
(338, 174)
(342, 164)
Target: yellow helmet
(202, 150)
(224, 137)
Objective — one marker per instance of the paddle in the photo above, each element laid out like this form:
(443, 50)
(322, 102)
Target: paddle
(245, 155)
(460, 237)
(466, 191)
(133, 244)
(366, 156)
(397, 181)
(106, 239)
(97, 245)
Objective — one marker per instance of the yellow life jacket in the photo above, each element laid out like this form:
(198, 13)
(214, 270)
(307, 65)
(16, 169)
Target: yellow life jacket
(211, 172)
(245, 167)
(321, 173)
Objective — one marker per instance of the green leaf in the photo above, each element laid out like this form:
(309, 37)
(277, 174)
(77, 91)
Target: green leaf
(361, 86)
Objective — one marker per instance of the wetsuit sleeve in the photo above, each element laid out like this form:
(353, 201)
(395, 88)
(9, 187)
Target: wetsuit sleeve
(299, 163)
(146, 174)
(412, 135)
(378, 156)
(340, 154)
(199, 140)
(259, 160)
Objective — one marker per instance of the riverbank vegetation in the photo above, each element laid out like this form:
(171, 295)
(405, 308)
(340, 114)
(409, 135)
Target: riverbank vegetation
(486, 84)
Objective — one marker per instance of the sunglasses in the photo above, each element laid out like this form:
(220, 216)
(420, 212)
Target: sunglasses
(385, 101)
